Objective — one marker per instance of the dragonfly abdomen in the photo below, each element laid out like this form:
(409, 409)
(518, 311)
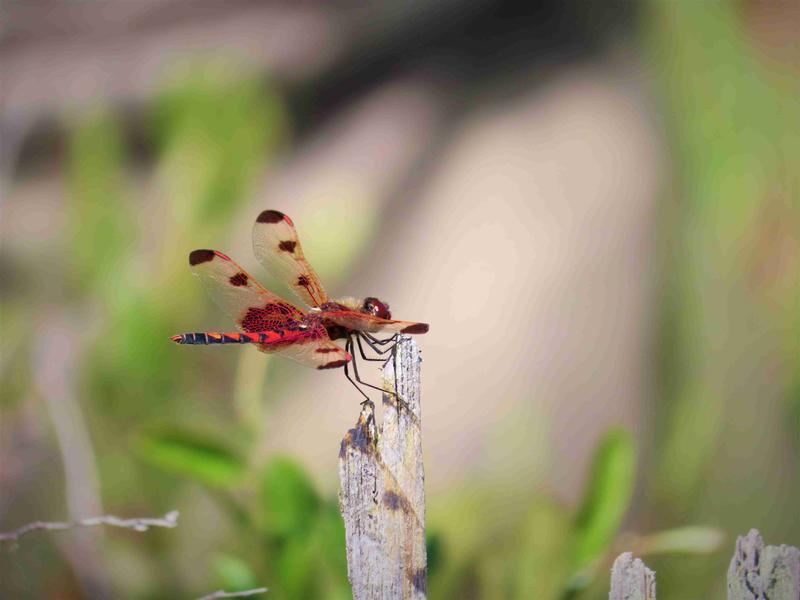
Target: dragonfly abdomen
(212, 337)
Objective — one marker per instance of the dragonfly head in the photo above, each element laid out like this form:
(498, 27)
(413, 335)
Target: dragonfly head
(377, 308)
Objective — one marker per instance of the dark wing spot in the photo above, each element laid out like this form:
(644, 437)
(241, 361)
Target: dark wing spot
(239, 280)
(275, 316)
(303, 280)
(197, 257)
(287, 246)
(416, 328)
(256, 319)
(333, 364)
(270, 216)
(326, 350)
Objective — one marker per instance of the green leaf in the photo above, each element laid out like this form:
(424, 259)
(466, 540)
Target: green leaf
(233, 573)
(215, 129)
(330, 531)
(689, 540)
(296, 569)
(434, 547)
(191, 455)
(606, 498)
(98, 215)
(289, 503)
(329, 538)
(542, 561)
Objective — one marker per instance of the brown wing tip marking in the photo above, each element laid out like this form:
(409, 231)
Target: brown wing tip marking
(273, 216)
(334, 364)
(197, 257)
(416, 328)
(238, 280)
(326, 350)
(287, 246)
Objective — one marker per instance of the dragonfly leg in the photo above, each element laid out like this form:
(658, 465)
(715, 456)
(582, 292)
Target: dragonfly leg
(355, 385)
(350, 347)
(379, 351)
(379, 342)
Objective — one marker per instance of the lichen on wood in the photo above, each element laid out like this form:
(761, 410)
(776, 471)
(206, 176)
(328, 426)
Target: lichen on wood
(382, 496)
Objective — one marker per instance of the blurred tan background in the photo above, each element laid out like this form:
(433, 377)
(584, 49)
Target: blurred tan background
(594, 206)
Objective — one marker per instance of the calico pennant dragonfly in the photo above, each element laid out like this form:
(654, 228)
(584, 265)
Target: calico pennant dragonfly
(276, 326)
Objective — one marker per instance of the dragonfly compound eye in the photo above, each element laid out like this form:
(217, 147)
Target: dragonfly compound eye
(375, 307)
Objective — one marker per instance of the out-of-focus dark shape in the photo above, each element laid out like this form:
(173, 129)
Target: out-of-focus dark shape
(59, 57)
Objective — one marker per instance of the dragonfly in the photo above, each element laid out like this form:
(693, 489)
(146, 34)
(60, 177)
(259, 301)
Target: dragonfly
(275, 326)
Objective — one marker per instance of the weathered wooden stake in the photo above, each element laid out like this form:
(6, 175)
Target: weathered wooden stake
(631, 579)
(382, 496)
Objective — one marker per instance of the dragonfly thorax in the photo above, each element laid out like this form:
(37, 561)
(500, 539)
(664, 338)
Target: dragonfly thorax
(370, 305)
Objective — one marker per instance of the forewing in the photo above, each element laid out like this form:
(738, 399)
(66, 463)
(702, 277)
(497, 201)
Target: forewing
(277, 246)
(252, 307)
(363, 322)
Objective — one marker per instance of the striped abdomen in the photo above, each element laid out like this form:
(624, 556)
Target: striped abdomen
(212, 337)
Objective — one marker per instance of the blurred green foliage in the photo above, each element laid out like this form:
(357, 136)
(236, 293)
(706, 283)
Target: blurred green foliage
(213, 132)
(606, 499)
(288, 501)
(234, 574)
(101, 210)
(186, 453)
(732, 291)
(545, 550)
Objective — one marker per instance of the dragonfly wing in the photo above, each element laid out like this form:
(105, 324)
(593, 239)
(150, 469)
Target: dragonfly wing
(257, 310)
(310, 348)
(277, 246)
(371, 324)
(252, 307)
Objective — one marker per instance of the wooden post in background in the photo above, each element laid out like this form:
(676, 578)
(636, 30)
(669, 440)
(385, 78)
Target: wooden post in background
(759, 572)
(382, 496)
